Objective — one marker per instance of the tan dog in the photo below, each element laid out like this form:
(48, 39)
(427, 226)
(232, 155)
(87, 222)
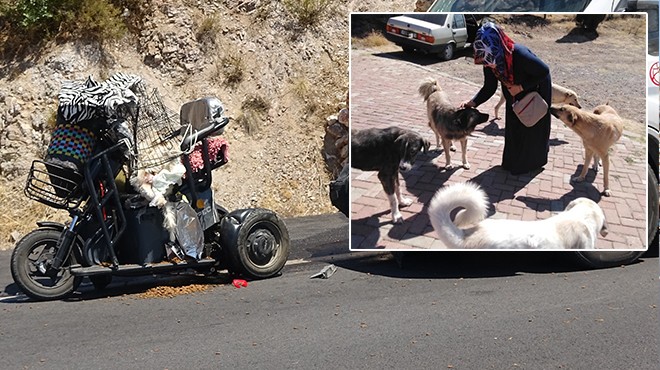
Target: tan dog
(598, 131)
(447, 121)
(575, 228)
(560, 95)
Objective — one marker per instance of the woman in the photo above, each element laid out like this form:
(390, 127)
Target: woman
(519, 71)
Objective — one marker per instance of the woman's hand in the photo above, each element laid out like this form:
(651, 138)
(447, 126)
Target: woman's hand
(467, 104)
(514, 89)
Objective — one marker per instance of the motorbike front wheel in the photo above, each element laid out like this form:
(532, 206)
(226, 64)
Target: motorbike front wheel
(262, 245)
(30, 267)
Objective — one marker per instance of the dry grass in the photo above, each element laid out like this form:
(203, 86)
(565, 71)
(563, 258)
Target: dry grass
(207, 30)
(300, 87)
(319, 91)
(373, 39)
(293, 198)
(230, 66)
(254, 111)
(308, 12)
(18, 214)
(618, 24)
(283, 199)
(630, 24)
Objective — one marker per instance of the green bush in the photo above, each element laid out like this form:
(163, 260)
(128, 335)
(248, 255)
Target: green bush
(28, 22)
(96, 19)
(31, 16)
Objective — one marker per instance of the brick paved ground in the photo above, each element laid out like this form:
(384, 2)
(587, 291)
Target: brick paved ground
(384, 93)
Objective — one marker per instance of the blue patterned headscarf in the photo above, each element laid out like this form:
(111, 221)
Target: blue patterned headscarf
(492, 47)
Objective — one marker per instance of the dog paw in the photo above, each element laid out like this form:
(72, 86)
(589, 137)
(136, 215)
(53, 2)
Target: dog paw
(397, 218)
(607, 193)
(466, 166)
(405, 202)
(449, 166)
(452, 148)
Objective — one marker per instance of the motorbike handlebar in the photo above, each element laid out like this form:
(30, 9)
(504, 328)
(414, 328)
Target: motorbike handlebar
(191, 139)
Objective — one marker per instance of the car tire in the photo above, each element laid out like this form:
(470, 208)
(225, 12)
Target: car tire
(652, 207)
(605, 258)
(653, 214)
(448, 52)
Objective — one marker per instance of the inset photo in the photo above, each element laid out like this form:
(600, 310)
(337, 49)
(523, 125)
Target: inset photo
(499, 132)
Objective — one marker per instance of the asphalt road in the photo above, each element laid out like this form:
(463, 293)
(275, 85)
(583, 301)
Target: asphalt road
(435, 310)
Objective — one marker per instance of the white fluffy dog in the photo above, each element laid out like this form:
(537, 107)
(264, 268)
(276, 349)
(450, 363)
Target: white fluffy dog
(155, 186)
(575, 228)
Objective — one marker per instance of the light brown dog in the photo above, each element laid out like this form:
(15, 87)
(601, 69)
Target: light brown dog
(598, 131)
(560, 95)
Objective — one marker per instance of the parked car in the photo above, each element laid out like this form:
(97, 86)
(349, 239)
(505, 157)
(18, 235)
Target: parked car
(440, 34)
(599, 258)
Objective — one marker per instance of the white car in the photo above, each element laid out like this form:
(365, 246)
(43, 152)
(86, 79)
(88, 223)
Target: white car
(430, 33)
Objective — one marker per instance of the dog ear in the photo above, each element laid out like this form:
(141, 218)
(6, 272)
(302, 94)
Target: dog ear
(460, 118)
(572, 117)
(402, 144)
(426, 145)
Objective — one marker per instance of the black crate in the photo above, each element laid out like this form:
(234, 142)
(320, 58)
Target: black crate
(144, 239)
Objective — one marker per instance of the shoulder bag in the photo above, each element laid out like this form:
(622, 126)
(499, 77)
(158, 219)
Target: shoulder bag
(530, 108)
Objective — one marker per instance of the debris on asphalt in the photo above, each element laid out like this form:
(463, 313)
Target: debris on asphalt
(238, 283)
(173, 291)
(325, 273)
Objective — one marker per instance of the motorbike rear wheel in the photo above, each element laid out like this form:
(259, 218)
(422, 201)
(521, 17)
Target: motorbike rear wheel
(30, 267)
(262, 245)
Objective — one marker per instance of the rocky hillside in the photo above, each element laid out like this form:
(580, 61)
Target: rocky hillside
(280, 80)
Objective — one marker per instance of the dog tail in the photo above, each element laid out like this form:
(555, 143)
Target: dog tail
(469, 197)
(429, 86)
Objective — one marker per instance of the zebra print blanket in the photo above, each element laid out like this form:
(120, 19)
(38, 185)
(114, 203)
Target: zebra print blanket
(81, 101)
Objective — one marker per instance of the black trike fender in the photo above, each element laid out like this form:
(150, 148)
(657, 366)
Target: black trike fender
(230, 225)
(51, 225)
(255, 241)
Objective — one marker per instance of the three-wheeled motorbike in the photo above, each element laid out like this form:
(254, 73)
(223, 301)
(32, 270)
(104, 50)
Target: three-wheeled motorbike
(114, 231)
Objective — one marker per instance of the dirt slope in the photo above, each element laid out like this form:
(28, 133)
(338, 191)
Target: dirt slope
(247, 53)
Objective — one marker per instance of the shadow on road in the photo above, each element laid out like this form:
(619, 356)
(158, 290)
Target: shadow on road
(466, 265)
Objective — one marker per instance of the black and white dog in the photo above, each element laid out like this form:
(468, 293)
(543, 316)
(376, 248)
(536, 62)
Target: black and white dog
(387, 151)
